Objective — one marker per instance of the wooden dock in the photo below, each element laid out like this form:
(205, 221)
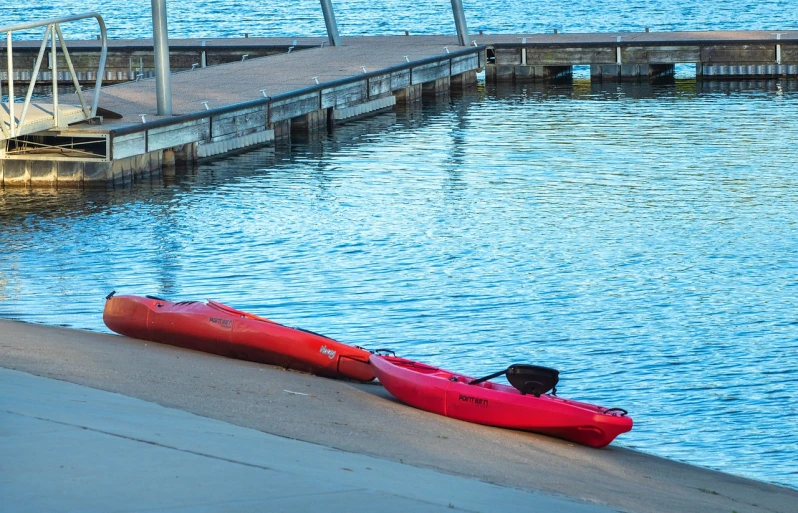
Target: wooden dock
(634, 56)
(726, 55)
(224, 108)
(230, 94)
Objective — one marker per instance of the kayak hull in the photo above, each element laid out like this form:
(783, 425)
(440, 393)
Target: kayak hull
(449, 394)
(219, 329)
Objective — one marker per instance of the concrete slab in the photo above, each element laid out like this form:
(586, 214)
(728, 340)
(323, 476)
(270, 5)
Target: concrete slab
(363, 419)
(67, 447)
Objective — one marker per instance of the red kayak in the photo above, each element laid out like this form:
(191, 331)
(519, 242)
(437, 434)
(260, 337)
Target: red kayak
(216, 328)
(525, 405)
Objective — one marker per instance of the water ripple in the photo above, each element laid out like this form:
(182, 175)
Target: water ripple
(229, 18)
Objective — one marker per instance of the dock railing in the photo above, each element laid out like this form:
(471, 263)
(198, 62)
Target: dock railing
(52, 34)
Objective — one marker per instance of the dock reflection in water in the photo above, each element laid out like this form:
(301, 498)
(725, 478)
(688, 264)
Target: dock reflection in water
(641, 239)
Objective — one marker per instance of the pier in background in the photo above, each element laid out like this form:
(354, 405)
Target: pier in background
(231, 94)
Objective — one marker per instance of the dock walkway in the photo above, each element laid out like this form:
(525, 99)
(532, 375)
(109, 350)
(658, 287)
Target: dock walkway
(279, 74)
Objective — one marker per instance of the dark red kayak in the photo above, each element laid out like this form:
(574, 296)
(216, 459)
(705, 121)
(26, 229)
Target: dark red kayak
(219, 329)
(527, 407)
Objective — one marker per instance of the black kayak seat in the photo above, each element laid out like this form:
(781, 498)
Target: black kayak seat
(533, 379)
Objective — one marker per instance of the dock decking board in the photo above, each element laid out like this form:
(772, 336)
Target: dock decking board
(240, 82)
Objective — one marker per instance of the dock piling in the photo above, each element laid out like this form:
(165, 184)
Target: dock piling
(460, 22)
(329, 21)
(163, 81)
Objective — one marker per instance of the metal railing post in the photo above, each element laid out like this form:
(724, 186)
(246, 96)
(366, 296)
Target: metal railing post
(98, 82)
(36, 68)
(460, 22)
(329, 20)
(53, 52)
(163, 80)
(11, 106)
(72, 73)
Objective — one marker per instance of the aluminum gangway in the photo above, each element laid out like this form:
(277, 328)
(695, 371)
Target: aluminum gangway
(29, 116)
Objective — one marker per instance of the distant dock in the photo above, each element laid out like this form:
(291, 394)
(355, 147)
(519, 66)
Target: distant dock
(619, 56)
(635, 56)
(230, 94)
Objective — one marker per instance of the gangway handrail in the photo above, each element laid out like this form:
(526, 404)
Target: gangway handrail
(52, 31)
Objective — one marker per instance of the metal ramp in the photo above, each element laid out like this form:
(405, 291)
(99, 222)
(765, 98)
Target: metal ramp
(39, 117)
(19, 120)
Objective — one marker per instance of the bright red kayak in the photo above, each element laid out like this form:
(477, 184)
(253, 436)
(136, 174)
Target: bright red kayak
(483, 402)
(219, 329)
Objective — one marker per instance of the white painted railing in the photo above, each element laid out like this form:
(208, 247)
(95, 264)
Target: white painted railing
(52, 35)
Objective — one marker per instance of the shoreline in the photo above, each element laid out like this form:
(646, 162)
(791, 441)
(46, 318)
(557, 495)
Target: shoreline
(363, 419)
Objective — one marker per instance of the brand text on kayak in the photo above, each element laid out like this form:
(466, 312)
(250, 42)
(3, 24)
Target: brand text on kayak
(474, 400)
(224, 323)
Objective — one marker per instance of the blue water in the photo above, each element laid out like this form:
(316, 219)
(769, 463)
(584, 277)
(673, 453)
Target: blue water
(234, 18)
(642, 240)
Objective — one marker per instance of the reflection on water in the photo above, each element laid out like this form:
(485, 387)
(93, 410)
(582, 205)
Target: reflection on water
(639, 238)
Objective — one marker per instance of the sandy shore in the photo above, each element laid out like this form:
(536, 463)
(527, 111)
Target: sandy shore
(364, 420)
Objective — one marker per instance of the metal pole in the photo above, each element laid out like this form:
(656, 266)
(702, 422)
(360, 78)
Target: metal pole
(460, 22)
(11, 104)
(329, 20)
(163, 81)
(53, 52)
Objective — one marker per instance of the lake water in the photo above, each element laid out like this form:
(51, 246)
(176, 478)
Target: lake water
(640, 239)
(234, 18)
